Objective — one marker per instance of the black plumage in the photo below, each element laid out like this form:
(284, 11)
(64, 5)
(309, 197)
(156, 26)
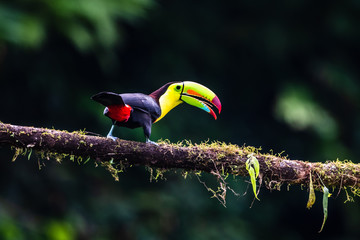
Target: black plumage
(145, 109)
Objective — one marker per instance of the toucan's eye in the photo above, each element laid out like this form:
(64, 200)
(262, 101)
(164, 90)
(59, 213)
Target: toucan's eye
(178, 87)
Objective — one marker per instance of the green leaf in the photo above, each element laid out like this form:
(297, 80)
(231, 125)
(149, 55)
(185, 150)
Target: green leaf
(247, 164)
(30, 154)
(253, 180)
(312, 197)
(256, 166)
(253, 167)
(326, 196)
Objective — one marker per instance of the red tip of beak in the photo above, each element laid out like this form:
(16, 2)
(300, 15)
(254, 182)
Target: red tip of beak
(217, 103)
(212, 113)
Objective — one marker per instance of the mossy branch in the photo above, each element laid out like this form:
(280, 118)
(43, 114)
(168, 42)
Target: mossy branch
(219, 158)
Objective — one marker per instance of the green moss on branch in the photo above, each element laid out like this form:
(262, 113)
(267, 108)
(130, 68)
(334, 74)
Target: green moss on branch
(213, 157)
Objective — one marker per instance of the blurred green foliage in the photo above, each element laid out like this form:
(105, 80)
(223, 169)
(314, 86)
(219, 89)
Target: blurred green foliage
(297, 108)
(88, 24)
(287, 75)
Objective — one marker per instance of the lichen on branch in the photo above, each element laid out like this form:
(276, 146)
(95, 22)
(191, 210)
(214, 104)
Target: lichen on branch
(216, 157)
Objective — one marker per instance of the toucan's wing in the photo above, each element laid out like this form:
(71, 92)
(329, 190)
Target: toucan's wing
(108, 99)
(143, 103)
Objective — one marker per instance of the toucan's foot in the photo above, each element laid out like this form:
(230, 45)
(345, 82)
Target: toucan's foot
(151, 142)
(112, 137)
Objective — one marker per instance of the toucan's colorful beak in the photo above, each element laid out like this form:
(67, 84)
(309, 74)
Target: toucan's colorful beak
(200, 96)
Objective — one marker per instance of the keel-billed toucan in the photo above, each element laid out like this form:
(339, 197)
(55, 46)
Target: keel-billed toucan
(134, 110)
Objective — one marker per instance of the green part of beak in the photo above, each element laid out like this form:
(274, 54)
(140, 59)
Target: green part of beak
(200, 96)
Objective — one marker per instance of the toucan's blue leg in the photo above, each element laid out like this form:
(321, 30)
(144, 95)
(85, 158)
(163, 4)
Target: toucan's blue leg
(110, 134)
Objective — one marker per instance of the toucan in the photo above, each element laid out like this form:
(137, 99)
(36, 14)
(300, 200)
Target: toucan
(134, 110)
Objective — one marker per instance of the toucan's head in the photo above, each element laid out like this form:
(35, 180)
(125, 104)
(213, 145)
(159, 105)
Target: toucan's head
(172, 94)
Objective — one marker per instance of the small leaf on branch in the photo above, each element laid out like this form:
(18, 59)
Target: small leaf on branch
(312, 197)
(326, 196)
(253, 168)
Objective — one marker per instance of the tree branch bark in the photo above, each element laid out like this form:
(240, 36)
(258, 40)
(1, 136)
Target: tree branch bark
(213, 158)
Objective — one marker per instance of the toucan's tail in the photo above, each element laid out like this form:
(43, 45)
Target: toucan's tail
(108, 99)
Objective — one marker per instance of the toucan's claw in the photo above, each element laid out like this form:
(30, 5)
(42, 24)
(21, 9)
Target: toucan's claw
(151, 142)
(112, 137)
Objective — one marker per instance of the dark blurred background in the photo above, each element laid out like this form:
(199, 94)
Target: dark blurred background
(287, 73)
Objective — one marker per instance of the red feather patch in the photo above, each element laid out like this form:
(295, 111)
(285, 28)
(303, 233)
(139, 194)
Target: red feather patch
(120, 113)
